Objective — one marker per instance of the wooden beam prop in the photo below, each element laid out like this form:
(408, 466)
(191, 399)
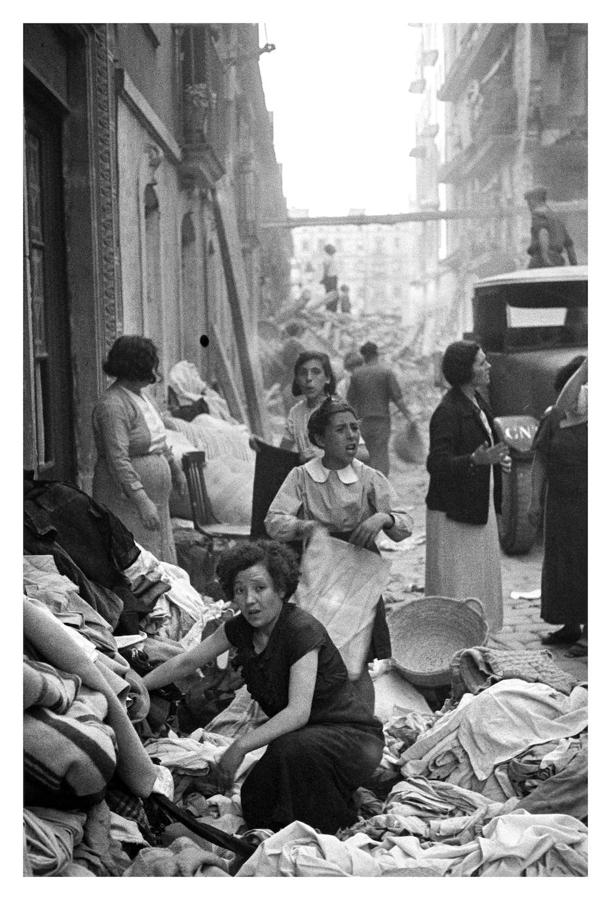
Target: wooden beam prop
(239, 301)
(226, 380)
(423, 215)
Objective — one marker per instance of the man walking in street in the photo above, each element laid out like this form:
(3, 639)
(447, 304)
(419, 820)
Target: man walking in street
(371, 387)
(549, 237)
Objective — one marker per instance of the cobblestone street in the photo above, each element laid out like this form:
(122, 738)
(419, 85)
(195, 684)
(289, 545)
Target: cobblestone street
(522, 625)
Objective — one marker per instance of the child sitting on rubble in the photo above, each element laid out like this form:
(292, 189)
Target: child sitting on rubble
(321, 739)
(352, 501)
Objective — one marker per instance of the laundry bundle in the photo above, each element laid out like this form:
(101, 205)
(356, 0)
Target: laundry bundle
(513, 844)
(89, 544)
(467, 744)
(216, 437)
(179, 608)
(182, 859)
(403, 728)
(50, 836)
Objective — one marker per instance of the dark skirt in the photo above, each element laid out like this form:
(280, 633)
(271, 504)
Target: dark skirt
(310, 775)
(564, 578)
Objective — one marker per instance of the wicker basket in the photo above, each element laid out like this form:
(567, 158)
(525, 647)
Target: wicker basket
(427, 632)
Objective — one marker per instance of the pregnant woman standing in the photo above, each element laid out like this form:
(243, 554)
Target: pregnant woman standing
(135, 469)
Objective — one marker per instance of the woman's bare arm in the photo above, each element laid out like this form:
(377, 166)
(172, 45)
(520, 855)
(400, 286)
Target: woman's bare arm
(188, 662)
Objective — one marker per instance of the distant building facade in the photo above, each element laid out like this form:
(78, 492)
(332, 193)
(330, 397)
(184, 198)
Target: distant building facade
(375, 261)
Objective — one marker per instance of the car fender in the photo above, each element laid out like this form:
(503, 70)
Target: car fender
(517, 432)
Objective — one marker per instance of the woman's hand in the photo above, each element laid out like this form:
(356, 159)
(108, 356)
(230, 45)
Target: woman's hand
(229, 764)
(179, 481)
(147, 511)
(309, 527)
(489, 456)
(365, 533)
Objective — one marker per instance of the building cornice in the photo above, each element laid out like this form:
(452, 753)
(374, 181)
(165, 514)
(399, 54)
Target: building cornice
(147, 116)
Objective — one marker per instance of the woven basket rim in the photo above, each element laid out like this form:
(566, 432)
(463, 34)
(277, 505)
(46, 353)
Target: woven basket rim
(436, 614)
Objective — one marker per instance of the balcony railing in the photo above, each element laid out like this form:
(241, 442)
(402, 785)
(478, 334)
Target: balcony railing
(475, 56)
(497, 116)
(202, 99)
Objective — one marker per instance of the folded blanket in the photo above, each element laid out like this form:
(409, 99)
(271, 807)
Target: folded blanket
(43, 685)
(69, 758)
(476, 668)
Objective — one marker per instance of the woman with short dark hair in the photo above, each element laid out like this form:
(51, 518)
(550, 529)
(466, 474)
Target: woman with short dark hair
(135, 469)
(313, 381)
(462, 543)
(279, 560)
(322, 742)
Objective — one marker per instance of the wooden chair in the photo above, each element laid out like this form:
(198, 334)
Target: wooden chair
(193, 465)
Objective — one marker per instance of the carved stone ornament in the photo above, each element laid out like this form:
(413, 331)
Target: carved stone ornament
(107, 202)
(155, 156)
(199, 102)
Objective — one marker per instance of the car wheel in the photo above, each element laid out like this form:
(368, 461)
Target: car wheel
(516, 533)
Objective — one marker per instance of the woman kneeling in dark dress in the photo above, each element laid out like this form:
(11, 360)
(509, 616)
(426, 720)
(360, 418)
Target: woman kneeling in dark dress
(322, 741)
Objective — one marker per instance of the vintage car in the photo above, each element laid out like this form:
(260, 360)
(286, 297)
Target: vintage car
(530, 323)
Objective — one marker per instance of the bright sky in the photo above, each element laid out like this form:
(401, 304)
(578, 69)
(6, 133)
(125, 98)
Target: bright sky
(343, 119)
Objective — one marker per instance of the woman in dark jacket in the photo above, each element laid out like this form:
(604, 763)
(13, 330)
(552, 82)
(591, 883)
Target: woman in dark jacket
(560, 493)
(462, 545)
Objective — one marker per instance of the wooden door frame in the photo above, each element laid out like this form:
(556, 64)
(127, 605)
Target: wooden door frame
(44, 120)
(90, 221)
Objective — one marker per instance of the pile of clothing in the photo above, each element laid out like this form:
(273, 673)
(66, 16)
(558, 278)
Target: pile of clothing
(493, 783)
(201, 421)
(510, 844)
(93, 595)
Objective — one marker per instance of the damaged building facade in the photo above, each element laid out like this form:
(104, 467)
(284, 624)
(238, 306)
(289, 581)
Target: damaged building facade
(504, 108)
(149, 166)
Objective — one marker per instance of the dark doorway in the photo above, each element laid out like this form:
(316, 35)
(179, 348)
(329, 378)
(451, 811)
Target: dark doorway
(48, 297)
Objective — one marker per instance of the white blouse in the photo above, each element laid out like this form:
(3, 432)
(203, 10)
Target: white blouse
(338, 499)
(153, 420)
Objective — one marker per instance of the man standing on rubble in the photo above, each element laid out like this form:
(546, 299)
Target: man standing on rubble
(371, 387)
(329, 278)
(549, 237)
